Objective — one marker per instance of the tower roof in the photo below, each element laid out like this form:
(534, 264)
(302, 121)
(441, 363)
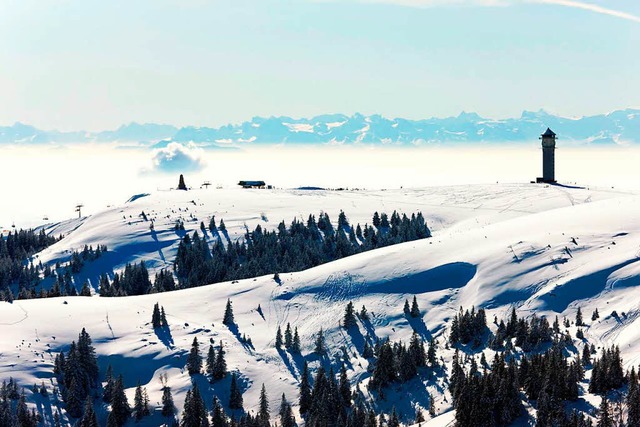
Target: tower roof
(548, 134)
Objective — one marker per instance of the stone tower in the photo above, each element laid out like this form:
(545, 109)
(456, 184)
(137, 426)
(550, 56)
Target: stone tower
(548, 157)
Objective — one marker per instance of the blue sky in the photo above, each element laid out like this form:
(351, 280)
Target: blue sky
(93, 64)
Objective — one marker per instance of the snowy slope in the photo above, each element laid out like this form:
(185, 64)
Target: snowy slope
(544, 249)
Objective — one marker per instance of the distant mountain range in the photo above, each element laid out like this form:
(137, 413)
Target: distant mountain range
(619, 127)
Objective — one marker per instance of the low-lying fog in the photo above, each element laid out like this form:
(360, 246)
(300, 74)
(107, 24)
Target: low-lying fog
(47, 182)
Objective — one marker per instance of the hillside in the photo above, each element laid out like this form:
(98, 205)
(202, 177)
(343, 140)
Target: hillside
(543, 249)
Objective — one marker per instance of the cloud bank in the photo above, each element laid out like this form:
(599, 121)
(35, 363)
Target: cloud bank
(591, 7)
(176, 157)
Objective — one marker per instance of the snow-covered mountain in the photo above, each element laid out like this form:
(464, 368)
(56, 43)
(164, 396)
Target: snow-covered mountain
(618, 127)
(544, 249)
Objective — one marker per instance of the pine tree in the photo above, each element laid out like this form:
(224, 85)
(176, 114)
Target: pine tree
(633, 400)
(595, 315)
(263, 412)
(220, 365)
(579, 317)
(181, 184)
(320, 347)
(194, 360)
(286, 414)
(140, 404)
(86, 290)
(295, 346)
(432, 407)
(586, 355)
(349, 319)
(163, 317)
(155, 317)
(406, 308)
(228, 313)
(218, 417)
(235, 395)
(393, 419)
(168, 407)
(415, 310)
(107, 391)
(73, 398)
(364, 315)
(431, 354)
(288, 337)
(305, 390)
(194, 412)
(345, 387)
(210, 362)
(278, 338)
(605, 418)
(120, 409)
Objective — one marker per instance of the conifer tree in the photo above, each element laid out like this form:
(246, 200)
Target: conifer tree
(168, 407)
(345, 387)
(364, 315)
(263, 411)
(278, 338)
(218, 417)
(406, 308)
(210, 362)
(194, 360)
(393, 419)
(579, 317)
(89, 418)
(633, 400)
(320, 347)
(140, 402)
(415, 310)
(349, 319)
(86, 290)
(605, 418)
(220, 365)
(120, 409)
(228, 313)
(288, 337)
(235, 394)
(295, 346)
(107, 391)
(73, 398)
(163, 318)
(431, 354)
(194, 413)
(155, 316)
(286, 414)
(595, 315)
(305, 390)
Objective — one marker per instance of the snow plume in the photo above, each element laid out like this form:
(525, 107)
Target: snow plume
(592, 7)
(176, 157)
